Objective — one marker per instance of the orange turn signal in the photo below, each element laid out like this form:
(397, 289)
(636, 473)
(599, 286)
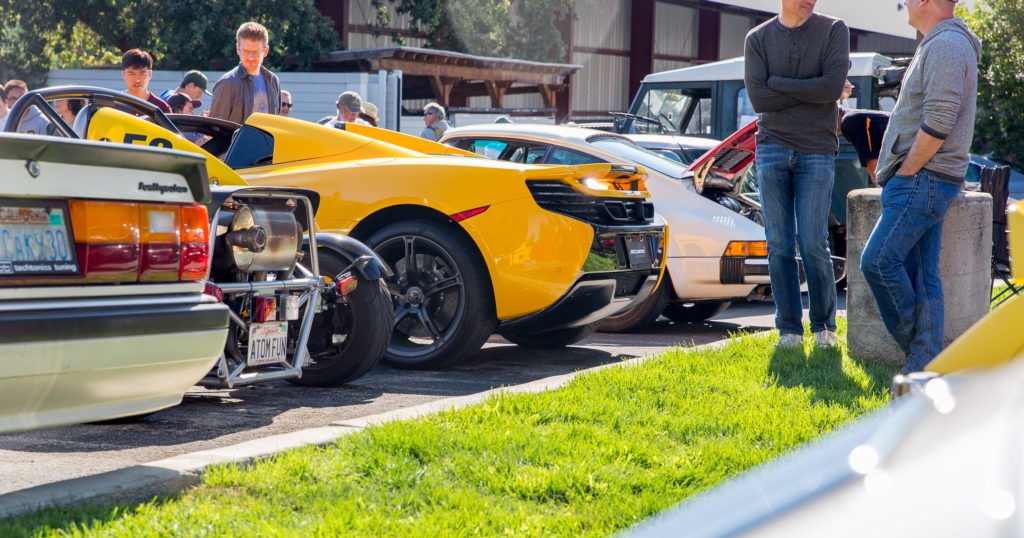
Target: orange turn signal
(746, 249)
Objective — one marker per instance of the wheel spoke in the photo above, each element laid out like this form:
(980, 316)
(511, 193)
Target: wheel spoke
(404, 311)
(411, 270)
(442, 285)
(428, 324)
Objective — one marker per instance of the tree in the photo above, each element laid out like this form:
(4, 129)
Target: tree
(999, 125)
(185, 34)
(525, 29)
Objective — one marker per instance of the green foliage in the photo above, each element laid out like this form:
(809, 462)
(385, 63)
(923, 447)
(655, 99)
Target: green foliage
(607, 450)
(524, 29)
(999, 127)
(184, 34)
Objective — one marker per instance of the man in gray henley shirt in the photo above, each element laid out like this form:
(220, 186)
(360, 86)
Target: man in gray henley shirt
(795, 68)
(922, 165)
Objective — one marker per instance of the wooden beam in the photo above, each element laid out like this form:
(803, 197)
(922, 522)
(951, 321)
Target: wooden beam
(549, 92)
(442, 87)
(497, 92)
(467, 72)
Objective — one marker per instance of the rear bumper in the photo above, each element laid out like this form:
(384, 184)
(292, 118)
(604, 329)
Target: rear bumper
(65, 361)
(591, 299)
(743, 271)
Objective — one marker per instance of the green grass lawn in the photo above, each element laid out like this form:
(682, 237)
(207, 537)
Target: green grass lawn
(605, 451)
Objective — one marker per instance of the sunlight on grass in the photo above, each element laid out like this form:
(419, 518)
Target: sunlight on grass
(602, 453)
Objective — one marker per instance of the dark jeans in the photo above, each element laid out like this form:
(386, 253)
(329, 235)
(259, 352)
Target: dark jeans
(796, 190)
(901, 263)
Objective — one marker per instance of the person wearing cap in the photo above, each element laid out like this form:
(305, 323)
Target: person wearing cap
(181, 103)
(433, 118)
(249, 87)
(193, 85)
(349, 106)
(369, 113)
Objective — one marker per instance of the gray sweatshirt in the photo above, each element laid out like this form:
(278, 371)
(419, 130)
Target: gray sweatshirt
(794, 78)
(938, 96)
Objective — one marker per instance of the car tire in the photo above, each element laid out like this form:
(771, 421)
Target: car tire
(441, 294)
(551, 339)
(362, 320)
(642, 315)
(694, 312)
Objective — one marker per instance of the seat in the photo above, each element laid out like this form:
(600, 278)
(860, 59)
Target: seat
(81, 126)
(995, 180)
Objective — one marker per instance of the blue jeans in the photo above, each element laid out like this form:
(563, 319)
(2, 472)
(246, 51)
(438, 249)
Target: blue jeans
(901, 263)
(796, 190)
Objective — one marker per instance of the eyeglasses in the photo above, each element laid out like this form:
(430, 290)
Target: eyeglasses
(251, 53)
(286, 105)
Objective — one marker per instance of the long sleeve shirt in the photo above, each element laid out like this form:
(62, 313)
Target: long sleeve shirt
(794, 78)
(938, 97)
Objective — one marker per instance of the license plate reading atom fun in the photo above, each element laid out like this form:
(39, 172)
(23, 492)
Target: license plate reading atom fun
(268, 343)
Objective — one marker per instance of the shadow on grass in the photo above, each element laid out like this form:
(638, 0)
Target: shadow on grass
(822, 372)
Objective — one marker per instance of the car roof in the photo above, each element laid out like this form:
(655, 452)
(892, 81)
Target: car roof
(861, 64)
(668, 141)
(560, 133)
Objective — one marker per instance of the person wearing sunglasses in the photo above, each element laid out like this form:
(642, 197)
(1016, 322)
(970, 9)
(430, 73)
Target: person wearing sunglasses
(249, 87)
(286, 103)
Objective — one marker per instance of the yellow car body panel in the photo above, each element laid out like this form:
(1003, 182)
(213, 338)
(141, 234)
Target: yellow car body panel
(532, 255)
(114, 125)
(995, 338)
(404, 140)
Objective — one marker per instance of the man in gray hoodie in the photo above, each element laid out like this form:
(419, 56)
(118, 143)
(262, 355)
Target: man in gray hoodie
(922, 165)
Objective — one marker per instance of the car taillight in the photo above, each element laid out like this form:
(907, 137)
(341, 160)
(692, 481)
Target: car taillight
(130, 242)
(195, 243)
(161, 243)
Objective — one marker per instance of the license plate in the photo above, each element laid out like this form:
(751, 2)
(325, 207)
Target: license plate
(268, 343)
(35, 238)
(638, 251)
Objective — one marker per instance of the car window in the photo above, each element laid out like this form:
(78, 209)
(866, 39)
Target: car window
(491, 149)
(250, 147)
(568, 156)
(535, 154)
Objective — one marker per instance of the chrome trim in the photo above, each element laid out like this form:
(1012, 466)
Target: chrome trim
(100, 290)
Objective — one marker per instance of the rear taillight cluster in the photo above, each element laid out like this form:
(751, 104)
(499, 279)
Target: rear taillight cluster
(124, 242)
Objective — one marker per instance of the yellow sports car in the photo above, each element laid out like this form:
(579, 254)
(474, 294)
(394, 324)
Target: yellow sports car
(539, 253)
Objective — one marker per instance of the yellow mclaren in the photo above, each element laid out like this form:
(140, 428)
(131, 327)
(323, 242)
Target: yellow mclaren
(538, 253)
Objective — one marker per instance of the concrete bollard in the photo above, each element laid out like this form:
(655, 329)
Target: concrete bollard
(964, 263)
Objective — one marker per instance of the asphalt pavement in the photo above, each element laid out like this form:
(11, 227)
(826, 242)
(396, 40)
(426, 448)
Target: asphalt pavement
(167, 451)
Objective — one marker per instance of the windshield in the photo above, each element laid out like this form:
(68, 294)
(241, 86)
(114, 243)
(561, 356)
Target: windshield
(631, 152)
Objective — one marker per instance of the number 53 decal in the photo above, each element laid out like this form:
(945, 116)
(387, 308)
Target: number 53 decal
(133, 138)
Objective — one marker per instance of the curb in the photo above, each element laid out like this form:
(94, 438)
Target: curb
(170, 476)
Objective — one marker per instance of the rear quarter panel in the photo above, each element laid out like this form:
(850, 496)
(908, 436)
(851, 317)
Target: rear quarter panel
(533, 256)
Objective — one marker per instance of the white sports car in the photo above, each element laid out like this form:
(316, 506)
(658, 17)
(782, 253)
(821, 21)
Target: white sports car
(716, 255)
(104, 249)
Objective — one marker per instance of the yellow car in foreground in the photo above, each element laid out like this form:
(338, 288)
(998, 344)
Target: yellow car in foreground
(539, 253)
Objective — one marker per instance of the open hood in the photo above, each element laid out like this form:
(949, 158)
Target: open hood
(723, 166)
